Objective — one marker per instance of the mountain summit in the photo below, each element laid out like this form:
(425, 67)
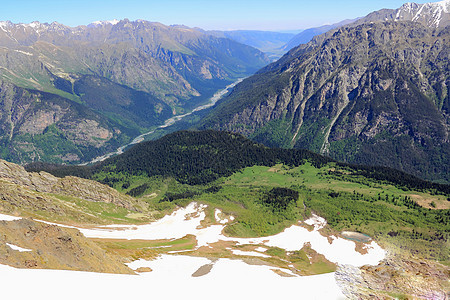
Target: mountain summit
(434, 14)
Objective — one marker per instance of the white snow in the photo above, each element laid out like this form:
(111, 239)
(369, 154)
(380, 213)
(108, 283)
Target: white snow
(444, 5)
(217, 215)
(252, 281)
(8, 218)
(317, 222)
(34, 24)
(180, 223)
(339, 251)
(20, 249)
(187, 221)
(170, 279)
(23, 52)
(112, 22)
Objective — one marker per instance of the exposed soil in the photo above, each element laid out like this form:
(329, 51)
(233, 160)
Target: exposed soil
(54, 247)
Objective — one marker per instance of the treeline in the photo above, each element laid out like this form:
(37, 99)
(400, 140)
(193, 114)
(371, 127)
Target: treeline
(397, 178)
(200, 157)
(61, 170)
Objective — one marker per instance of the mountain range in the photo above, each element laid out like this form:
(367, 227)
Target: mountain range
(270, 42)
(316, 165)
(373, 92)
(69, 94)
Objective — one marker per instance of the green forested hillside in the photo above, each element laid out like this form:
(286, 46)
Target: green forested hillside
(267, 189)
(200, 157)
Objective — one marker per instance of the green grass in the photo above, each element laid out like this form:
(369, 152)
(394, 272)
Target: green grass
(348, 202)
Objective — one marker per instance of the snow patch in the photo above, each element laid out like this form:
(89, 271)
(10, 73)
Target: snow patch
(170, 279)
(8, 218)
(17, 248)
(23, 52)
(102, 23)
(34, 24)
(217, 215)
(187, 220)
(317, 222)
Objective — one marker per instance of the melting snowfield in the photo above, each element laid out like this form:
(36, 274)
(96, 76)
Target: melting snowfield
(187, 221)
(171, 279)
(172, 274)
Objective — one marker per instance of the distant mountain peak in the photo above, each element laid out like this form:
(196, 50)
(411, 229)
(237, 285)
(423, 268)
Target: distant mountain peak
(33, 24)
(433, 14)
(103, 23)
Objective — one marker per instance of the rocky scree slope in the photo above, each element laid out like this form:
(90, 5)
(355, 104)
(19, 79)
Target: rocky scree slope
(373, 94)
(35, 194)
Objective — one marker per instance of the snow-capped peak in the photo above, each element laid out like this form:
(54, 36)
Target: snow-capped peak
(5, 24)
(102, 23)
(433, 14)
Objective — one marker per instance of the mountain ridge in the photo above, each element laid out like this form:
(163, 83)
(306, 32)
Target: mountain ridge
(130, 75)
(307, 97)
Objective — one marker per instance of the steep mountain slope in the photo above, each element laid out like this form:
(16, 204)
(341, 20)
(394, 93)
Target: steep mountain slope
(95, 87)
(27, 243)
(374, 93)
(69, 199)
(164, 60)
(53, 247)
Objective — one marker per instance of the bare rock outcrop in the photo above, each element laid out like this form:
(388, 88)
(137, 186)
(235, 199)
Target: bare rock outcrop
(69, 186)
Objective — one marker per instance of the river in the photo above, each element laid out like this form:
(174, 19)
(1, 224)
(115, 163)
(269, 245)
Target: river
(169, 122)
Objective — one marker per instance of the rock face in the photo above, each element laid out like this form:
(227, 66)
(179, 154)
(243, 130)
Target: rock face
(87, 90)
(52, 247)
(41, 126)
(375, 93)
(397, 276)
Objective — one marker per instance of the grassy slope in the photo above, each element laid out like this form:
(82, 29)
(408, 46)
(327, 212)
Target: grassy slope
(348, 202)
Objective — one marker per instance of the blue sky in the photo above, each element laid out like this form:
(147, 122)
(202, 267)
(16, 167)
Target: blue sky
(206, 14)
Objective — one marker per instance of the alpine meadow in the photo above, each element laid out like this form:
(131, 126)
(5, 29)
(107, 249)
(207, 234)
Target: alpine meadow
(291, 150)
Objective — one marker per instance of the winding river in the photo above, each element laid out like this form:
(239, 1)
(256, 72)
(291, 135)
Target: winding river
(169, 122)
